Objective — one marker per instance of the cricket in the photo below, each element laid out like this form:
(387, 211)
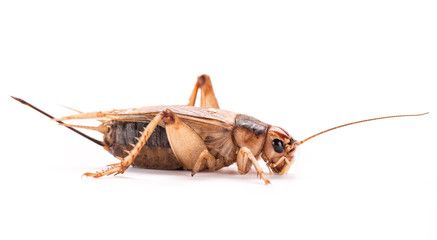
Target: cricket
(185, 137)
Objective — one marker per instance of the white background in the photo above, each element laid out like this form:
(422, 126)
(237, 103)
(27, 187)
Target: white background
(303, 65)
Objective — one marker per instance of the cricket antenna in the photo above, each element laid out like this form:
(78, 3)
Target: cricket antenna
(60, 122)
(367, 120)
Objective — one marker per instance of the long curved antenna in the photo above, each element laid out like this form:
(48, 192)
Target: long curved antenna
(367, 120)
(60, 122)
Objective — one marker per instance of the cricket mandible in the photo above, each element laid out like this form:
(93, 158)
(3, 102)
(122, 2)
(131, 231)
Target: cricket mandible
(191, 138)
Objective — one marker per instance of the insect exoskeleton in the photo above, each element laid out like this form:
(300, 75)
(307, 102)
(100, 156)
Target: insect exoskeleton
(191, 138)
(273, 144)
(279, 150)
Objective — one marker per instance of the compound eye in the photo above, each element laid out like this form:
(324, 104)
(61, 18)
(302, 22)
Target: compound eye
(278, 145)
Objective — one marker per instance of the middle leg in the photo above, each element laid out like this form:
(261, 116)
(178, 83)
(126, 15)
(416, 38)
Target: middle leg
(205, 160)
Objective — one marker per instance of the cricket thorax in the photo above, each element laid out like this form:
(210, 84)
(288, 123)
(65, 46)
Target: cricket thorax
(250, 132)
(157, 154)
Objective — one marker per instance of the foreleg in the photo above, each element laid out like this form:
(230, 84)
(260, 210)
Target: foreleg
(245, 160)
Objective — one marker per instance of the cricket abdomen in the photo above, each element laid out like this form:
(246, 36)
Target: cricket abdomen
(157, 154)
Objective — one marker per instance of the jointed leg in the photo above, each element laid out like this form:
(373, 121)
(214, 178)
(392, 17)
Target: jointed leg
(204, 158)
(118, 168)
(244, 165)
(189, 148)
(207, 98)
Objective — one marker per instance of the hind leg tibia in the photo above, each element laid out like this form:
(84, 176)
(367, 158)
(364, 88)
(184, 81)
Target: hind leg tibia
(207, 97)
(125, 162)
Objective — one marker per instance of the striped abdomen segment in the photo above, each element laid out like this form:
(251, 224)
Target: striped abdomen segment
(126, 132)
(156, 154)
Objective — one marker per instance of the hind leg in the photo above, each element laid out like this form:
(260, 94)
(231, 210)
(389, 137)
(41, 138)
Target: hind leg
(207, 97)
(188, 147)
(120, 167)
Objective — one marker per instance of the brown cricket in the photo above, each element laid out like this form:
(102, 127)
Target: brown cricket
(191, 138)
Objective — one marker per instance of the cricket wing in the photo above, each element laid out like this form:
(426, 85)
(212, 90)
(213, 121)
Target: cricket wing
(214, 126)
(220, 117)
(218, 138)
(146, 114)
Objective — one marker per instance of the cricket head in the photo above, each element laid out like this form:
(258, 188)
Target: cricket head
(279, 149)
